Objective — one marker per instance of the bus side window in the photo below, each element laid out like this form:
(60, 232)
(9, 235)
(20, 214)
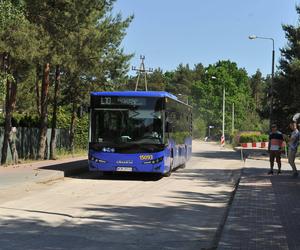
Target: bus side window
(168, 127)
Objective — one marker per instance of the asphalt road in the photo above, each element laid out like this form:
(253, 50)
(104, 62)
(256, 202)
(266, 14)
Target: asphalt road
(183, 211)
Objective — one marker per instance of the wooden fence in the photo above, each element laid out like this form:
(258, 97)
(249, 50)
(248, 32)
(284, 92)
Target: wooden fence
(27, 140)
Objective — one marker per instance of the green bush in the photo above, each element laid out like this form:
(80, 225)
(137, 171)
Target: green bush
(63, 118)
(22, 120)
(234, 138)
(81, 132)
(264, 138)
(33, 121)
(63, 121)
(253, 138)
(199, 128)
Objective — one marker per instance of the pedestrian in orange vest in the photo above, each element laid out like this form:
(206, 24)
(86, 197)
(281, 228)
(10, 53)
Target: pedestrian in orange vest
(274, 148)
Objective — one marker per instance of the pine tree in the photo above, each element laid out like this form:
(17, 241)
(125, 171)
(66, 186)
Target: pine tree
(18, 46)
(95, 59)
(287, 82)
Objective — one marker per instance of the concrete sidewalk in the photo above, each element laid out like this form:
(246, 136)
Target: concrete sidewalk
(265, 212)
(41, 171)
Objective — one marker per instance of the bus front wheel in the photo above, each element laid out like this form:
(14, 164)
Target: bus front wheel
(168, 174)
(182, 166)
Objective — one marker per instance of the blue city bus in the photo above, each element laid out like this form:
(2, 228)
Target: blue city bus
(139, 131)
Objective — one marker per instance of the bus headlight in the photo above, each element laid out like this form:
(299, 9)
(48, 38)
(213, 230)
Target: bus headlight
(108, 150)
(99, 161)
(155, 161)
(92, 158)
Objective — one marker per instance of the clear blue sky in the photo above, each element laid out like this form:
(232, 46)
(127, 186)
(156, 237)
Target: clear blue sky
(169, 32)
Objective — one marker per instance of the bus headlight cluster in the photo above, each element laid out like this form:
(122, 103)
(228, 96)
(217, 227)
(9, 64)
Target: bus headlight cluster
(108, 150)
(155, 161)
(97, 160)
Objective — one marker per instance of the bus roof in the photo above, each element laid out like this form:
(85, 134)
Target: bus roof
(136, 94)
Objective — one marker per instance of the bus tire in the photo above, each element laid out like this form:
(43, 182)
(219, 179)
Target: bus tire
(186, 153)
(168, 174)
(108, 173)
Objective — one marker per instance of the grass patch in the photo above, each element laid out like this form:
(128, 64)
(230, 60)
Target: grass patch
(64, 153)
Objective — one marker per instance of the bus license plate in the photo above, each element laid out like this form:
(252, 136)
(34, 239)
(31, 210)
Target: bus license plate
(124, 169)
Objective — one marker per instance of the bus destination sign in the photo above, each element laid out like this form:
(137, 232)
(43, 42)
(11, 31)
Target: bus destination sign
(132, 101)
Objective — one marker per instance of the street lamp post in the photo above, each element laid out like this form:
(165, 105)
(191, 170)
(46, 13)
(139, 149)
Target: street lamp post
(223, 123)
(232, 122)
(252, 37)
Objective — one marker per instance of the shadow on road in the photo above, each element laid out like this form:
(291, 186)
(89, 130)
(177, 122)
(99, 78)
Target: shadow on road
(79, 170)
(118, 176)
(116, 227)
(211, 177)
(70, 168)
(183, 220)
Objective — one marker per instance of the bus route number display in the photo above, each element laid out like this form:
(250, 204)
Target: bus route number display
(105, 100)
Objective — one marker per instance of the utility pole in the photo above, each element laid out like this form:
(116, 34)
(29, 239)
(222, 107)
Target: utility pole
(272, 85)
(233, 118)
(223, 123)
(142, 71)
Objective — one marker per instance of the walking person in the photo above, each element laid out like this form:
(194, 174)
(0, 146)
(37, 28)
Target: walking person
(274, 148)
(293, 147)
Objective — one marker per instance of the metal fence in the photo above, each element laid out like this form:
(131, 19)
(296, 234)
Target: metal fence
(27, 140)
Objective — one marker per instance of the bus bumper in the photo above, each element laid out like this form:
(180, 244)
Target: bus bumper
(141, 163)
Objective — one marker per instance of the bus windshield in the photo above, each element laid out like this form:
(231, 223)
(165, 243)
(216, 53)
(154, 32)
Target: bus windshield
(129, 125)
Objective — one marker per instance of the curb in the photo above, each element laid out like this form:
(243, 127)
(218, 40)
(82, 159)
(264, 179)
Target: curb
(69, 169)
(39, 173)
(218, 234)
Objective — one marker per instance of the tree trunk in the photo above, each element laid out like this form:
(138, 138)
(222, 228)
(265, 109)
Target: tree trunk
(44, 112)
(10, 104)
(13, 134)
(72, 128)
(7, 123)
(4, 64)
(37, 90)
(54, 114)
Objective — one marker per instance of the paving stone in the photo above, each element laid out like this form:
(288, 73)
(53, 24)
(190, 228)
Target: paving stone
(254, 220)
(287, 192)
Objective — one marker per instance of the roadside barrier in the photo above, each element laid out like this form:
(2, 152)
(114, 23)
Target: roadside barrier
(222, 141)
(257, 146)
